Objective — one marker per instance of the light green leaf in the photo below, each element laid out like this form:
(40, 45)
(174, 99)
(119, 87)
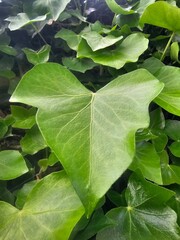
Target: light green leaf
(70, 37)
(8, 50)
(145, 217)
(96, 41)
(22, 20)
(148, 161)
(51, 211)
(24, 118)
(169, 98)
(127, 51)
(170, 172)
(36, 57)
(152, 64)
(142, 5)
(55, 7)
(116, 8)
(162, 14)
(79, 65)
(174, 51)
(3, 128)
(12, 165)
(174, 203)
(175, 149)
(88, 129)
(33, 141)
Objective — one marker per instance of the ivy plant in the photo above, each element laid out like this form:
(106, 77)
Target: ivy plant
(89, 120)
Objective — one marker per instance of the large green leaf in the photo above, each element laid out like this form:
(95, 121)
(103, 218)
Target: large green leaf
(55, 7)
(142, 5)
(162, 14)
(12, 165)
(91, 133)
(127, 51)
(51, 211)
(116, 8)
(169, 98)
(22, 20)
(145, 217)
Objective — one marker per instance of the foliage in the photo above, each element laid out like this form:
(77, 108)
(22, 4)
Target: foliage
(89, 120)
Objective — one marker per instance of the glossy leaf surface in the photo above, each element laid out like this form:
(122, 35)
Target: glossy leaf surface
(95, 128)
(12, 165)
(51, 211)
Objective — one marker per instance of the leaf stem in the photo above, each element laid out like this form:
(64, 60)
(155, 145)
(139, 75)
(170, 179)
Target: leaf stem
(167, 46)
(35, 28)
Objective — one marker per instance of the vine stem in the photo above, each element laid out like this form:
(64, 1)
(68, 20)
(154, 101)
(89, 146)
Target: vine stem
(167, 46)
(37, 31)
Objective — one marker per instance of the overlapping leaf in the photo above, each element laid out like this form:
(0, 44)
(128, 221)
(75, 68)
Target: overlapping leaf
(89, 130)
(145, 217)
(51, 211)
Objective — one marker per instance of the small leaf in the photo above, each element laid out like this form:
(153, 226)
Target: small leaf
(8, 50)
(169, 98)
(24, 118)
(97, 42)
(12, 165)
(50, 212)
(33, 141)
(148, 161)
(87, 129)
(79, 65)
(3, 128)
(162, 14)
(174, 51)
(36, 57)
(55, 7)
(172, 129)
(116, 8)
(70, 37)
(22, 20)
(145, 217)
(175, 149)
(128, 51)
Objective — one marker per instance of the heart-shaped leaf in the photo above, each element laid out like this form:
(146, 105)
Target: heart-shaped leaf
(51, 211)
(145, 217)
(169, 98)
(91, 133)
(12, 165)
(128, 51)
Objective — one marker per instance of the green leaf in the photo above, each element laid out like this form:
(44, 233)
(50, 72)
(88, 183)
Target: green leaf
(147, 160)
(33, 141)
(172, 129)
(175, 149)
(128, 51)
(36, 57)
(170, 173)
(87, 129)
(70, 37)
(55, 7)
(79, 65)
(162, 14)
(116, 8)
(12, 165)
(142, 5)
(97, 42)
(174, 202)
(22, 20)
(8, 50)
(152, 64)
(174, 51)
(24, 118)
(145, 217)
(3, 128)
(51, 211)
(169, 98)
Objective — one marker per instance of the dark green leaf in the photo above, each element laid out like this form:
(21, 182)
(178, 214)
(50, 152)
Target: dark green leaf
(172, 129)
(175, 149)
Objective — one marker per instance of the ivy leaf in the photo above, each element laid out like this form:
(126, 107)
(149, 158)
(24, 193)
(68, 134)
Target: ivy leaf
(36, 57)
(79, 65)
(12, 165)
(116, 8)
(96, 41)
(145, 217)
(93, 127)
(148, 161)
(169, 98)
(55, 7)
(128, 51)
(22, 20)
(51, 211)
(162, 14)
(33, 141)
